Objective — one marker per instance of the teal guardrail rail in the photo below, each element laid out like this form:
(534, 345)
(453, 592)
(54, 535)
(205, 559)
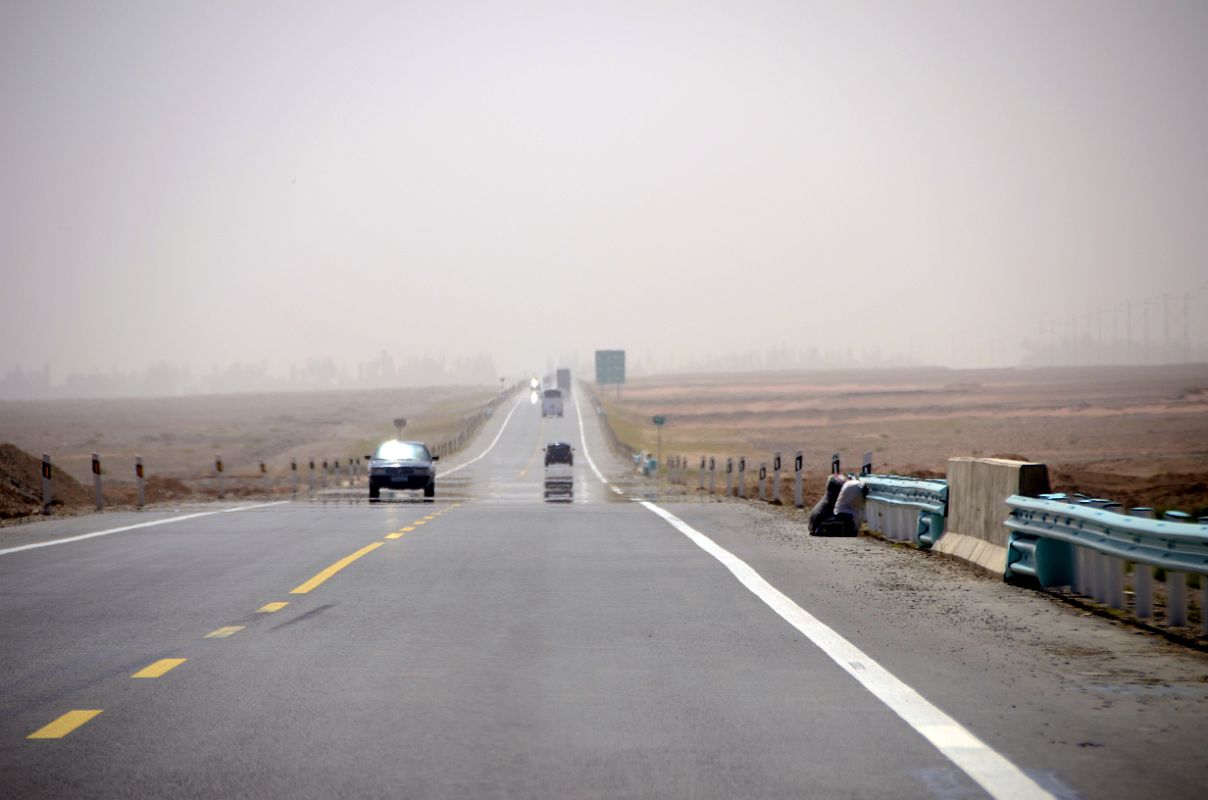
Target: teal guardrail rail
(906, 509)
(1060, 543)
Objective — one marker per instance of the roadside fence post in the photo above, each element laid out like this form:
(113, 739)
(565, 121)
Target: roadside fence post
(310, 480)
(141, 480)
(268, 487)
(763, 481)
(293, 477)
(712, 475)
(866, 464)
(326, 474)
(775, 478)
(742, 476)
(96, 482)
(835, 468)
(47, 484)
(729, 476)
(701, 475)
(798, 502)
(218, 472)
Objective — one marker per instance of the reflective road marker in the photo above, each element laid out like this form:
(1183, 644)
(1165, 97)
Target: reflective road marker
(334, 568)
(159, 668)
(64, 724)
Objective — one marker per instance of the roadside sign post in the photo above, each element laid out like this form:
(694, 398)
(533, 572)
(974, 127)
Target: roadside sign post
(47, 485)
(776, 478)
(96, 481)
(659, 421)
(140, 478)
(400, 423)
(742, 476)
(798, 460)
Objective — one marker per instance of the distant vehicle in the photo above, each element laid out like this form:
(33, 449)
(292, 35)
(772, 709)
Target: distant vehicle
(564, 379)
(402, 465)
(559, 453)
(551, 403)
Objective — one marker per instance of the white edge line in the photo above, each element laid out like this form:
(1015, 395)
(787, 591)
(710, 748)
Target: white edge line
(489, 447)
(136, 526)
(990, 770)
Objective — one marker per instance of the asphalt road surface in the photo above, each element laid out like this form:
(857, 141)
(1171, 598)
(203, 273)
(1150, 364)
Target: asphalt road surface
(621, 642)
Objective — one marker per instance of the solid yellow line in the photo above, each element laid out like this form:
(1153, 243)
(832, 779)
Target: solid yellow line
(334, 568)
(64, 724)
(269, 608)
(159, 668)
(222, 633)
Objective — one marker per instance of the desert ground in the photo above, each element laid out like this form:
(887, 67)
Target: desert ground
(1138, 435)
(179, 437)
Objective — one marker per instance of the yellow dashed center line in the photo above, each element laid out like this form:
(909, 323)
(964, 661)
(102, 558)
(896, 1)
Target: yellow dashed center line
(408, 529)
(269, 608)
(222, 633)
(334, 568)
(159, 668)
(65, 724)
(394, 536)
(419, 522)
(536, 449)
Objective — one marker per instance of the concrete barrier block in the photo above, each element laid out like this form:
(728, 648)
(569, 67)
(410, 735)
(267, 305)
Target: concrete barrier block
(977, 510)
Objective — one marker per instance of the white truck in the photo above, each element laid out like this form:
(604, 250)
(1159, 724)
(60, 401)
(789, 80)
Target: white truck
(551, 403)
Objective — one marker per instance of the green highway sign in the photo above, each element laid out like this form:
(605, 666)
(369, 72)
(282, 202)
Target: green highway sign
(659, 419)
(610, 367)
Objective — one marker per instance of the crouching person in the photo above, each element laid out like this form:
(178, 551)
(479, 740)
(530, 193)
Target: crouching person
(849, 507)
(824, 512)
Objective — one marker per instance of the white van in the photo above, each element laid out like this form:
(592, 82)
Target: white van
(551, 403)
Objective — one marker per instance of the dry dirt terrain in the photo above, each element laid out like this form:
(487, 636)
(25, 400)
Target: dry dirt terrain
(178, 438)
(1138, 435)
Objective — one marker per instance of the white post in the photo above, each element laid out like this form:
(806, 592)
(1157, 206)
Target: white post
(729, 476)
(742, 476)
(1143, 591)
(268, 487)
(866, 464)
(763, 481)
(1115, 582)
(712, 475)
(293, 476)
(776, 478)
(141, 480)
(96, 482)
(1176, 599)
(310, 479)
(798, 462)
(47, 484)
(218, 472)
(701, 476)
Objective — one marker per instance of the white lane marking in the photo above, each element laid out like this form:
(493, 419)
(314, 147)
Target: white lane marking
(136, 526)
(583, 440)
(990, 770)
(489, 447)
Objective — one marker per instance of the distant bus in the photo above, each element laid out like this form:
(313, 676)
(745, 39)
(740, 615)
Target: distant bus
(551, 403)
(564, 379)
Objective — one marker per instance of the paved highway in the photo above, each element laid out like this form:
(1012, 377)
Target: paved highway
(625, 644)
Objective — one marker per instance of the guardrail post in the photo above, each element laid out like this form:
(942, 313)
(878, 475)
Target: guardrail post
(775, 498)
(47, 484)
(763, 481)
(798, 462)
(310, 479)
(96, 482)
(218, 474)
(729, 476)
(701, 475)
(293, 476)
(866, 464)
(1142, 576)
(1176, 584)
(326, 474)
(712, 475)
(742, 476)
(140, 480)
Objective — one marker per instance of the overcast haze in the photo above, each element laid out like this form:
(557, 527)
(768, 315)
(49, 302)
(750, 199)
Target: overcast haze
(205, 183)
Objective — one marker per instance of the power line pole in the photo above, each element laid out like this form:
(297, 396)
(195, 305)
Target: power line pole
(1165, 328)
(1186, 345)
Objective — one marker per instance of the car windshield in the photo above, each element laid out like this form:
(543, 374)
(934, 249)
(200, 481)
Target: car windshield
(559, 449)
(552, 393)
(402, 451)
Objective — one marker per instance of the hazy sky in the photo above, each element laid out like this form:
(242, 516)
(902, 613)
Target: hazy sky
(207, 182)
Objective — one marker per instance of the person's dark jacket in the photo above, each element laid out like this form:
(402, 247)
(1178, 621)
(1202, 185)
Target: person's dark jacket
(825, 508)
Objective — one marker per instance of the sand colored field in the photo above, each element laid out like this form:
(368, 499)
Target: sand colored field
(1136, 434)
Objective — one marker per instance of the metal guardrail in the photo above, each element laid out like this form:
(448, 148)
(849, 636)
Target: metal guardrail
(1086, 548)
(906, 509)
